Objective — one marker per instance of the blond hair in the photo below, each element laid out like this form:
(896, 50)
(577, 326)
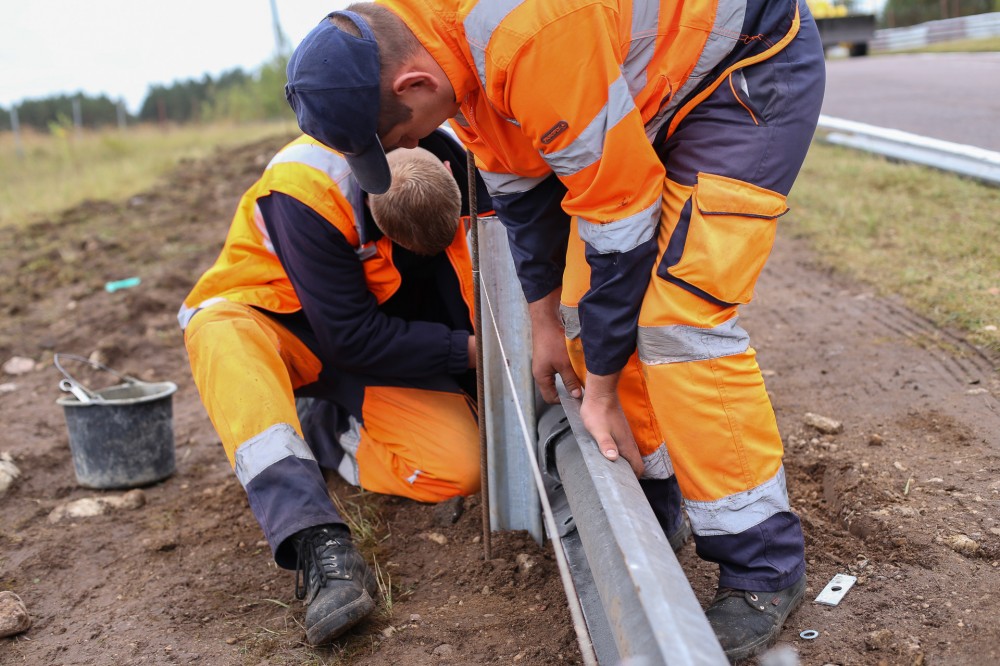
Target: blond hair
(421, 209)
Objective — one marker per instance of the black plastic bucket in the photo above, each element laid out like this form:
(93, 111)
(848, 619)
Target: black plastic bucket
(121, 436)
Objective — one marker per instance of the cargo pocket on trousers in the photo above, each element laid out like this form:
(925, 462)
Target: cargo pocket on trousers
(726, 238)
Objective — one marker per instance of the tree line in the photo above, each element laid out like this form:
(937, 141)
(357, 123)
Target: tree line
(234, 95)
(900, 13)
(237, 95)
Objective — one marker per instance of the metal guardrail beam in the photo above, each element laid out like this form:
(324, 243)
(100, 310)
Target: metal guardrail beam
(970, 161)
(648, 605)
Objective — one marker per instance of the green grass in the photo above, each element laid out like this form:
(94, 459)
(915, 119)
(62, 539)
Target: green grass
(42, 174)
(930, 237)
(956, 46)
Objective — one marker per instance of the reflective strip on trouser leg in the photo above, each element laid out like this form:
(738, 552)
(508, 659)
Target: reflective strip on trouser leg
(246, 367)
(631, 386)
(418, 443)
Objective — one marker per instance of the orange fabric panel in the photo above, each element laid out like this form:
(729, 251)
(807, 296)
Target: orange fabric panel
(731, 231)
(419, 444)
(246, 367)
(381, 274)
(718, 424)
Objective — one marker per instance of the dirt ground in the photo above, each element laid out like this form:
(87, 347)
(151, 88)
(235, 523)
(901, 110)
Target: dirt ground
(906, 496)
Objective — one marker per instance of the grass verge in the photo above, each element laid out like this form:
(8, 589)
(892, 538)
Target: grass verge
(42, 174)
(929, 237)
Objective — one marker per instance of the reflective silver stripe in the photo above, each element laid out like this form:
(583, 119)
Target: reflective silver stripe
(508, 183)
(349, 441)
(570, 321)
(658, 465)
(642, 45)
(624, 234)
(258, 221)
(722, 39)
(479, 26)
(738, 513)
(677, 344)
(587, 148)
(185, 314)
(268, 448)
(311, 155)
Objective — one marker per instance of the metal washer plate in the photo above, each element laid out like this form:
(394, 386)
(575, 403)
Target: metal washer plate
(836, 589)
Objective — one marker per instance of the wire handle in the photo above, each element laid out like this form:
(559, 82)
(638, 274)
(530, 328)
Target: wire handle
(80, 391)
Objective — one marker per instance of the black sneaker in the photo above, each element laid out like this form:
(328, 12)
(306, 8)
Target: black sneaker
(747, 623)
(334, 581)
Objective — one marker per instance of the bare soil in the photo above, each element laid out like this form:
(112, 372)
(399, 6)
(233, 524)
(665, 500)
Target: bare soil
(906, 496)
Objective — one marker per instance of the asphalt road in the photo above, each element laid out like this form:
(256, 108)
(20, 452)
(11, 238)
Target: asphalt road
(949, 96)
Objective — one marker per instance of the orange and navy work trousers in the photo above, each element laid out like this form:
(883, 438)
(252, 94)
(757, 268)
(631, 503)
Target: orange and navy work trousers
(248, 367)
(693, 393)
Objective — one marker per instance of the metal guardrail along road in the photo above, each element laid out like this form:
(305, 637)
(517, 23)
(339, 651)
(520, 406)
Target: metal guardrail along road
(965, 160)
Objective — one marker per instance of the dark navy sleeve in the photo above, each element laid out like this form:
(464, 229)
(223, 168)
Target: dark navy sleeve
(537, 231)
(351, 331)
(609, 312)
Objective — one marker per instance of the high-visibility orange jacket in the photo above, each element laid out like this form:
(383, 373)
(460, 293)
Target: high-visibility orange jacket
(300, 241)
(581, 90)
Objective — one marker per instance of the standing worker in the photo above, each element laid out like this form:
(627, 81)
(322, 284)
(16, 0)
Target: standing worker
(364, 309)
(670, 133)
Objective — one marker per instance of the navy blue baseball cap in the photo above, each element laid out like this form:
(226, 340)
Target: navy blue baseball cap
(333, 87)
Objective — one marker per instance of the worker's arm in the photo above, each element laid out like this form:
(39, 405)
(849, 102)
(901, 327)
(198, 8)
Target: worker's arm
(592, 137)
(352, 332)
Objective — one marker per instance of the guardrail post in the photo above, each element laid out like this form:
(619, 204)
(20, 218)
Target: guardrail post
(514, 501)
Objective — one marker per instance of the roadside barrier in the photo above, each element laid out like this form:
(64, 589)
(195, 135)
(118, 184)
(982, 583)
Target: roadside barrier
(970, 161)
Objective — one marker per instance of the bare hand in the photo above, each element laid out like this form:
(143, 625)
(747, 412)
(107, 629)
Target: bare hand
(548, 350)
(472, 351)
(604, 419)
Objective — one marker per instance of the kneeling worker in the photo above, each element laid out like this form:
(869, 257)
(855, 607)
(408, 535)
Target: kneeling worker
(334, 332)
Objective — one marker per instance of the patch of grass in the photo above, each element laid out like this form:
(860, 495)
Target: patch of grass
(958, 46)
(385, 588)
(929, 237)
(362, 515)
(41, 174)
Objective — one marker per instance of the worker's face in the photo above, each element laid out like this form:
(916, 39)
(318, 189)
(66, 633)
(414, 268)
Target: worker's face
(428, 114)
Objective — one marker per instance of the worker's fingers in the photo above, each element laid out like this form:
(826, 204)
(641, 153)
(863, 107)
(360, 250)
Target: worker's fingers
(570, 380)
(546, 383)
(606, 444)
(628, 449)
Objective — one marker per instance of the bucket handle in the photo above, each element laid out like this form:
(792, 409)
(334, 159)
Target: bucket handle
(79, 391)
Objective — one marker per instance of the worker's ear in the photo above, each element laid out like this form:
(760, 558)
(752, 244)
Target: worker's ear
(415, 81)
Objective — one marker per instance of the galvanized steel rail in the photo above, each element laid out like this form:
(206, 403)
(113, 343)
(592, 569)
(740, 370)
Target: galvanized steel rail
(965, 160)
(647, 606)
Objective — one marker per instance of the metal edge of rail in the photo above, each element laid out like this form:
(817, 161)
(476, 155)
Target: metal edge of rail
(969, 161)
(637, 601)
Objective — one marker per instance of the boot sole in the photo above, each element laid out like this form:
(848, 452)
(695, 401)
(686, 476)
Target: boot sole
(739, 654)
(344, 618)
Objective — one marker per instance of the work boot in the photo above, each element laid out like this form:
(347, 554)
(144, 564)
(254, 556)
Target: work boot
(334, 581)
(747, 623)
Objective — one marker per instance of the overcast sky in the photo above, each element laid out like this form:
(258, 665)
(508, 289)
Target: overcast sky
(120, 47)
